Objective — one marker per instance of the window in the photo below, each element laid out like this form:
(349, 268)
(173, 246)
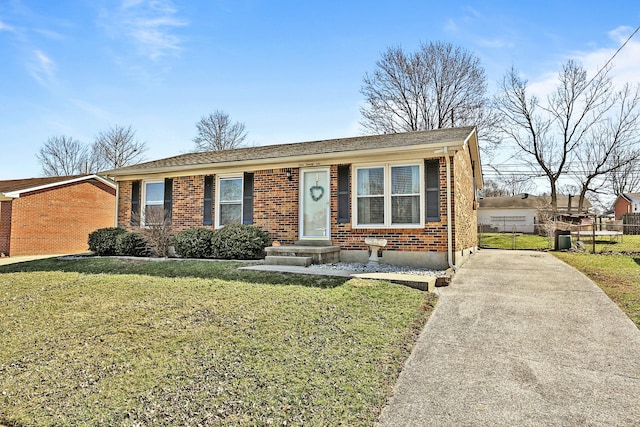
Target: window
(405, 194)
(207, 201)
(371, 196)
(229, 201)
(153, 210)
(389, 195)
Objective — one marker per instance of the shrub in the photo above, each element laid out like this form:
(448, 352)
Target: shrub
(103, 240)
(194, 243)
(238, 241)
(132, 244)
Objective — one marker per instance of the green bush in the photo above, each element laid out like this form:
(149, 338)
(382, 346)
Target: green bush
(238, 241)
(132, 244)
(194, 243)
(103, 240)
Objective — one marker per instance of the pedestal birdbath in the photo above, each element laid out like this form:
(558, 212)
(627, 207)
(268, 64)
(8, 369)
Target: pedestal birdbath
(374, 245)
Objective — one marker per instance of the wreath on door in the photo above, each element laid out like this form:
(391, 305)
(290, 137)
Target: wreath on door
(317, 191)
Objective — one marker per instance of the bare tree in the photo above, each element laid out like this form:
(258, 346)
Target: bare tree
(63, 155)
(550, 133)
(117, 147)
(217, 132)
(625, 179)
(611, 144)
(439, 86)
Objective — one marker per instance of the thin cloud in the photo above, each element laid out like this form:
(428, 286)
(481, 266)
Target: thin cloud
(6, 27)
(149, 24)
(498, 43)
(625, 64)
(42, 68)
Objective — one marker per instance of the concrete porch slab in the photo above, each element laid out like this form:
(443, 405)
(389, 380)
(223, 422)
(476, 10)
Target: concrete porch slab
(423, 283)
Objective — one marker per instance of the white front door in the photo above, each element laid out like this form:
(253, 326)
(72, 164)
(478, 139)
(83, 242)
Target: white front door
(315, 204)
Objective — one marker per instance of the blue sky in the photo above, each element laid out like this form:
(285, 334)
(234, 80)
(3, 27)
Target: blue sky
(290, 70)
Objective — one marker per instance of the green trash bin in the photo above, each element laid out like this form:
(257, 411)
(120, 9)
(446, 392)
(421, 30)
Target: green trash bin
(564, 242)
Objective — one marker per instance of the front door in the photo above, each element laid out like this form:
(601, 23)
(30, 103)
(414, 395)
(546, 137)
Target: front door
(315, 204)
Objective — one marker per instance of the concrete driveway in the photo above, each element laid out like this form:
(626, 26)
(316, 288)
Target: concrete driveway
(521, 339)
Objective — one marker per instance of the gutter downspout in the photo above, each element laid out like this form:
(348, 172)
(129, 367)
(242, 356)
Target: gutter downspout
(449, 223)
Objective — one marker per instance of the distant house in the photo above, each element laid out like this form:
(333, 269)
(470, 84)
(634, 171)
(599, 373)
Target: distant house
(53, 215)
(521, 213)
(626, 203)
(414, 189)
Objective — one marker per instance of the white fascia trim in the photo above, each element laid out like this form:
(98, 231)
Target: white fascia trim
(16, 194)
(408, 152)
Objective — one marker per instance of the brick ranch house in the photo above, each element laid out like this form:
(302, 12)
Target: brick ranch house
(417, 190)
(53, 215)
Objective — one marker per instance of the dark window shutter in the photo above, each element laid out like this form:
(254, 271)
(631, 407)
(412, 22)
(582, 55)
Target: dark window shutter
(207, 216)
(432, 190)
(135, 203)
(247, 199)
(168, 199)
(344, 213)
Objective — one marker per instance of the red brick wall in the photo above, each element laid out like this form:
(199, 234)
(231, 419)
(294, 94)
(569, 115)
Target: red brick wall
(276, 210)
(275, 203)
(58, 220)
(621, 207)
(432, 238)
(188, 202)
(5, 227)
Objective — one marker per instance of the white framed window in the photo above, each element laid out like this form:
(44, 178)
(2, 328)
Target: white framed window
(153, 206)
(389, 195)
(229, 200)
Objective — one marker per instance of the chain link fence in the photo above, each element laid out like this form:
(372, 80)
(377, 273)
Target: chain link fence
(592, 235)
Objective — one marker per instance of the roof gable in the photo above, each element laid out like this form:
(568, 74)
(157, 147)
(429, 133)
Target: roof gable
(15, 187)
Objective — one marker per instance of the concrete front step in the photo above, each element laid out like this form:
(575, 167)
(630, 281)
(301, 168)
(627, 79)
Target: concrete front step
(318, 254)
(300, 261)
(423, 283)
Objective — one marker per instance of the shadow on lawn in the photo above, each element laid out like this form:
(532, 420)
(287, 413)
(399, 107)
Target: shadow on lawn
(223, 270)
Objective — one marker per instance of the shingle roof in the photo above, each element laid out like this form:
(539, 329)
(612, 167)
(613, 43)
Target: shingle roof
(23, 184)
(13, 187)
(304, 148)
(632, 196)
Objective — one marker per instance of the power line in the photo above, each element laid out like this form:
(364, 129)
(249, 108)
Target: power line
(614, 55)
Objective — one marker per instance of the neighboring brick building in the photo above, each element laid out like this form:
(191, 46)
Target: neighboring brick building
(53, 215)
(626, 203)
(400, 187)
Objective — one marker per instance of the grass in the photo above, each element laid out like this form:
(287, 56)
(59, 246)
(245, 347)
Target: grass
(617, 275)
(624, 244)
(112, 342)
(513, 241)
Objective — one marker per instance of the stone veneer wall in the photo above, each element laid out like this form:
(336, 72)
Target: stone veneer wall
(466, 213)
(5, 227)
